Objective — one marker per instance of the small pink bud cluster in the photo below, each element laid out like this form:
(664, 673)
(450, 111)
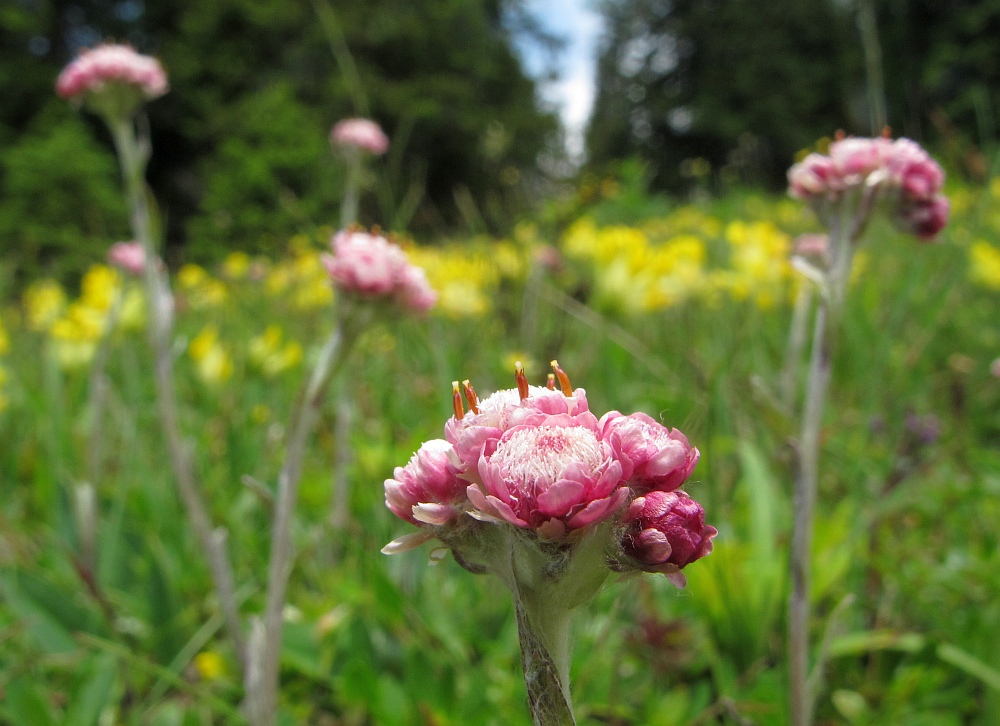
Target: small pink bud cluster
(901, 166)
(538, 460)
(370, 266)
(108, 65)
(129, 257)
(360, 133)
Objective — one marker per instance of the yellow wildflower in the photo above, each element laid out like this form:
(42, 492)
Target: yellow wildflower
(212, 360)
(270, 355)
(984, 260)
(209, 665)
(236, 265)
(100, 287)
(191, 276)
(44, 301)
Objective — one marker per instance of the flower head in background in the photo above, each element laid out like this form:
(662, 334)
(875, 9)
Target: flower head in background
(128, 257)
(113, 79)
(360, 133)
(370, 266)
(899, 170)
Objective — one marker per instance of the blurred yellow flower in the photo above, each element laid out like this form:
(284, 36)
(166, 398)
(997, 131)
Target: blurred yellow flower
(271, 355)
(190, 276)
(209, 665)
(984, 264)
(236, 265)
(44, 301)
(100, 287)
(213, 363)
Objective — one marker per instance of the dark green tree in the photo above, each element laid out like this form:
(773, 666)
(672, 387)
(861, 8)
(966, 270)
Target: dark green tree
(241, 158)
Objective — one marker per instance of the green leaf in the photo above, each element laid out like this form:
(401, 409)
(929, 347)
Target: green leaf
(26, 704)
(93, 694)
(969, 663)
(869, 640)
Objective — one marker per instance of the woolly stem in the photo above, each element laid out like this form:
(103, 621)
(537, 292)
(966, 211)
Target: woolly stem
(132, 156)
(262, 675)
(841, 246)
(545, 654)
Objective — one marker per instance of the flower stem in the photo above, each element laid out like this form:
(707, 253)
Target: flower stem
(841, 245)
(545, 661)
(132, 156)
(262, 672)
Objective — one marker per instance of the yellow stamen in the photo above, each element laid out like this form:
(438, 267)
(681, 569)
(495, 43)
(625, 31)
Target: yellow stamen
(470, 396)
(550, 382)
(456, 401)
(564, 383)
(522, 380)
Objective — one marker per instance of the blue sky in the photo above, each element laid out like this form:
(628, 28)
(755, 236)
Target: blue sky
(572, 94)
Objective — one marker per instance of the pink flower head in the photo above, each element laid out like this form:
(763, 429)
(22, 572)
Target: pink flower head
(427, 490)
(371, 266)
(913, 170)
(813, 176)
(854, 158)
(924, 218)
(551, 477)
(667, 531)
(503, 410)
(360, 133)
(110, 66)
(652, 456)
(414, 292)
(128, 256)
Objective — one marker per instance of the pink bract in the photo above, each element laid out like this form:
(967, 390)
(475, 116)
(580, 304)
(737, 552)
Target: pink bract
(108, 63)
(652, 456)
(129, 257)
(553, 476)
(360, 133)
(371, 266)
(667, 531)
(427, 490)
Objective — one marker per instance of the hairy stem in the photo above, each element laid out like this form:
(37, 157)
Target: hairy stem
(262, 675)
(132, 156)
(841, 246)
(545, 662)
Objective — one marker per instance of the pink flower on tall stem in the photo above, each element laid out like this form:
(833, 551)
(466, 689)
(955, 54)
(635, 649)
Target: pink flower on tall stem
(129, 257)
(370, 266)
(108, 65)
(360, 133)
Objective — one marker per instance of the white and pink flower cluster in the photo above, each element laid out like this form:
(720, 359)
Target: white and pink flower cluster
(901, 166)
(360, 133)
(539, 460)
(110, 64)
(370, 266)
